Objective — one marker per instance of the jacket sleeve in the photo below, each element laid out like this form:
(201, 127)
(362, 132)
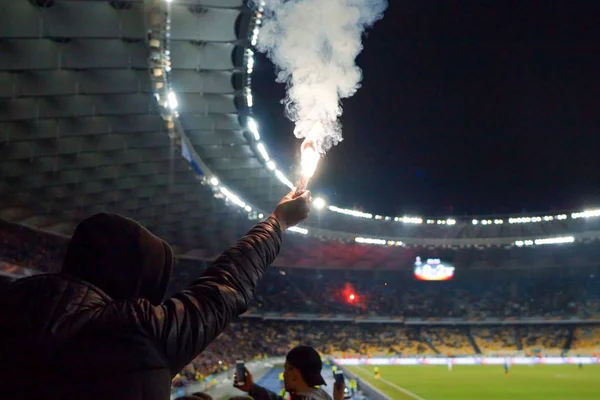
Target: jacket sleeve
(189, 321)
(260, 393)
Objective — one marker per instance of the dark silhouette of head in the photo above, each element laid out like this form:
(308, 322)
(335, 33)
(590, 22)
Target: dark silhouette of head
(120, 257)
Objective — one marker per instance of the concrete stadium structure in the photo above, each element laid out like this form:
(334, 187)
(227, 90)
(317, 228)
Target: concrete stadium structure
(144, 108)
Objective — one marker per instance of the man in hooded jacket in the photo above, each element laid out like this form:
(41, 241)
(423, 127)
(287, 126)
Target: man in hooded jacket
(101, 330)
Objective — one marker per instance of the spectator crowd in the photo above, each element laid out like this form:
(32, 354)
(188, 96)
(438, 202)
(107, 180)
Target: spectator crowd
(472, 295)
(367, 295)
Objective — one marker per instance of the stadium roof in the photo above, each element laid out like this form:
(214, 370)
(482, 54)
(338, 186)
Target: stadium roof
(81, 130)
(143, 108)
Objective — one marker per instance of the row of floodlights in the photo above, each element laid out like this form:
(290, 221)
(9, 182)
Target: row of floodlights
(519, 243)
(553, 240)
(233, 198)
(252, 127)
(236, 200)
(261, 149)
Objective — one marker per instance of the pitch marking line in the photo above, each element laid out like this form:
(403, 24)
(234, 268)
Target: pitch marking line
(399, 388)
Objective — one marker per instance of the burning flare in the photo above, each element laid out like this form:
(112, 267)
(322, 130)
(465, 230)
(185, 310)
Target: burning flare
(308, 164)
(310, 158)
(309, 155)
(314, 44)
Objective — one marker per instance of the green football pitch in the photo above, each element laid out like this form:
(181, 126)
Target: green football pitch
(545, 382)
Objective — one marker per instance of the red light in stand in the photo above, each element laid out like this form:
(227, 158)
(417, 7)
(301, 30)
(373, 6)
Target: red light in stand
(349, 295)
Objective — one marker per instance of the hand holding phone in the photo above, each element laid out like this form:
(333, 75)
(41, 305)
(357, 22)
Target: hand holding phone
(243, 378)
(240, 372)
(339, 391)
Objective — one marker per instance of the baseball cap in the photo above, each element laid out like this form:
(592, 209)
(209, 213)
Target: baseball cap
(308, 362)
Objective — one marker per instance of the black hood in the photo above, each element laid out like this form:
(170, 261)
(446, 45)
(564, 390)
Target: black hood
(120, 257)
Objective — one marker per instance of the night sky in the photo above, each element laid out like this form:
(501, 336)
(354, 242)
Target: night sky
(467, 107)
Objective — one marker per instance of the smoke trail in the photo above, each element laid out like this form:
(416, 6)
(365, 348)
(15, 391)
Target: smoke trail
(313, 44)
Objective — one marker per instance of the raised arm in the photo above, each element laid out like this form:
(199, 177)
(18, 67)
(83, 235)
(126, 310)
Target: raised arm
(189, 321)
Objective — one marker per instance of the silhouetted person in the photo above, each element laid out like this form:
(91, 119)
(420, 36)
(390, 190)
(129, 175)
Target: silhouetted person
(101, 330)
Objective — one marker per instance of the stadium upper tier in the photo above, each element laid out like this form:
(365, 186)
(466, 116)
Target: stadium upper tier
(549, 282)
(43, 251)
(144, 108)
(121, 106)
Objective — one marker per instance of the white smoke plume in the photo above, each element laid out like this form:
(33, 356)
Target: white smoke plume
(314, 44)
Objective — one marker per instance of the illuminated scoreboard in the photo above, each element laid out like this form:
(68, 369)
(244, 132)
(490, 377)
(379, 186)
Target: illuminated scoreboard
(433, 269)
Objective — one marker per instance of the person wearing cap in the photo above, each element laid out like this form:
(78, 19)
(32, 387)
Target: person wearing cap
(302, 375)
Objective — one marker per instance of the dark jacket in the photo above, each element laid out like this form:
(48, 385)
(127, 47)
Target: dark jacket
(100, 329)
(260, 393)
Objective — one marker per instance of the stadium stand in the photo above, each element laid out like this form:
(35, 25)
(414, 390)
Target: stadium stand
(90, 126)
(586, 340)
(538, 311)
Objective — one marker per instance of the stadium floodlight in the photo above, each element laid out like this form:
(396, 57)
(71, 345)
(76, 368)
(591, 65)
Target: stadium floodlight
(283, 179)
(586, 214)
(364, 240)
(271, 165)
(319, 203)
(263, 151)
(255, 33)
(555, 240)
(296, 229)
(353, 213)
(172, 100)
(214, 181)
(250, 63)
(253, 126)
(232, 197)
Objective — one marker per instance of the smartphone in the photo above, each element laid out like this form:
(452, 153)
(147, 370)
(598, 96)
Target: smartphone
(339, 377)
(240, 372)
(340, 380)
